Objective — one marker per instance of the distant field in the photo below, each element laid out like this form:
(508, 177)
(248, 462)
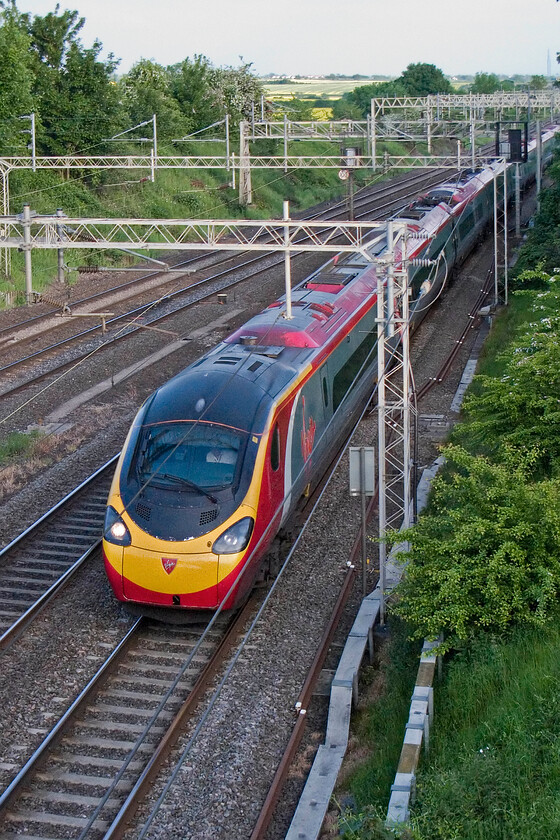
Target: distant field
(325, 88)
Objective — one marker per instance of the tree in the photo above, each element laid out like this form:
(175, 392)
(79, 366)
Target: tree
(485, 83)
(543, 241)
(345, 109)
(538, 83)
(74, 91)
(236, 91)
(190, 85)
(298, 110)
(486, 555)
(51, 35)
(356, 104)
(146, 90)
(16, 97)
(423, 80)
(519, 411)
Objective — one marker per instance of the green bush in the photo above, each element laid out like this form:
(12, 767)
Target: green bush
(487, 554)
(17, 443)
(520, 409)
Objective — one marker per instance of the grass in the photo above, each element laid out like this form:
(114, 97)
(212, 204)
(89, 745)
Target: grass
(494, 768)
(175, 194)
(504, 330)
(493, 771)
(378, 728)
(179, 194)
(491, 363)
(17, 444)
(22, 455)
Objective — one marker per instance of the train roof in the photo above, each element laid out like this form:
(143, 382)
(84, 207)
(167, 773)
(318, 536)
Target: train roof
(429, 211)
(239, 383)
(323, 306)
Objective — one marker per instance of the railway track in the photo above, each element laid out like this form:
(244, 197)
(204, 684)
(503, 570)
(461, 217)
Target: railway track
(383, 196)
(382, 204)
(90, 771)
(473, 318)
(36, 565)
(45, 783)
(288, 758)
(71, 790)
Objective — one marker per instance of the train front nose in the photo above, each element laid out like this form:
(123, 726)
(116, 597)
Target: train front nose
(170, 578)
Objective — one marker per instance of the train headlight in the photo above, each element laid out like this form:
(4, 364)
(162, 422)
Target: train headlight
(236, 538)
(115, 530)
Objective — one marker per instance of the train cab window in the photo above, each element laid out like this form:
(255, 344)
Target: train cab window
(275, 449)
(189, 457)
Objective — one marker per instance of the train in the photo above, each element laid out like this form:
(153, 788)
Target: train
(219, 456)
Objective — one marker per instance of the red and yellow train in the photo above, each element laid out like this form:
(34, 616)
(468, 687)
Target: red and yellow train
(217, 458)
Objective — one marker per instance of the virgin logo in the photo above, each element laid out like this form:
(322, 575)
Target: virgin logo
(307, 434)
(168, 564)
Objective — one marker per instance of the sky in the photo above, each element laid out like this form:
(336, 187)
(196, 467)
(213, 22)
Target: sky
(317, 37)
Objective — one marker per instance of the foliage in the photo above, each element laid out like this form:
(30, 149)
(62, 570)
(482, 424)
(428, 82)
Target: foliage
(486, 555)
(235, 90)
(424, 79)
(494, 763)
(369, 824)
(16, 444)
(145, 92)
(543, 240)
(17, 80)
(417, 80)
(485, 83)
(538, 82)
(189, 82)
(520, 410)
(392, 683)
(346, 109)
(356, 104)
(73, 90)
(77, 101)
(296, 109)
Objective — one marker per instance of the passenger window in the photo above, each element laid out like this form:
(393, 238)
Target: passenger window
(275, 449)
(325, 391)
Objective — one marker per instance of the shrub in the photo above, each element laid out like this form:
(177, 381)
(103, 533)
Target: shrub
(486, 555)
(521, 409)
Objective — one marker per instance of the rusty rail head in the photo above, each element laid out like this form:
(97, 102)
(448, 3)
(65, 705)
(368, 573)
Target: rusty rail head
(275, 789)
(121, 822)
(444, 370)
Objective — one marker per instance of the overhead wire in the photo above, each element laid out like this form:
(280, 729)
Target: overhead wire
(217, 692)
(219, 609)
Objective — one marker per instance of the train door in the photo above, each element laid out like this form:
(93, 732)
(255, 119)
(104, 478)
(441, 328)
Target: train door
(307, 439)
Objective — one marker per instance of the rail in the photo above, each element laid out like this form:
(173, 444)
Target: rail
(314, 801)
(75, 553)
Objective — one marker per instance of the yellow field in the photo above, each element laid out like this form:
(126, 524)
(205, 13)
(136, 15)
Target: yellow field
(325, 88)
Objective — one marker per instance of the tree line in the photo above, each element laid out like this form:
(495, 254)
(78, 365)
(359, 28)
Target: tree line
(421, 80)
(79, 101)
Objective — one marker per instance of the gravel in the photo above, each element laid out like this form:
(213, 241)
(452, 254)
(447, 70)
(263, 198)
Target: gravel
(226, 774)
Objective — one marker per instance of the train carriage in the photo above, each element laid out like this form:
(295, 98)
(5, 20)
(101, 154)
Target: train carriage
(218, 457)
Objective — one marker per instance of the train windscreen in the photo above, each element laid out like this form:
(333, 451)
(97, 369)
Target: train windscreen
(196, 457)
